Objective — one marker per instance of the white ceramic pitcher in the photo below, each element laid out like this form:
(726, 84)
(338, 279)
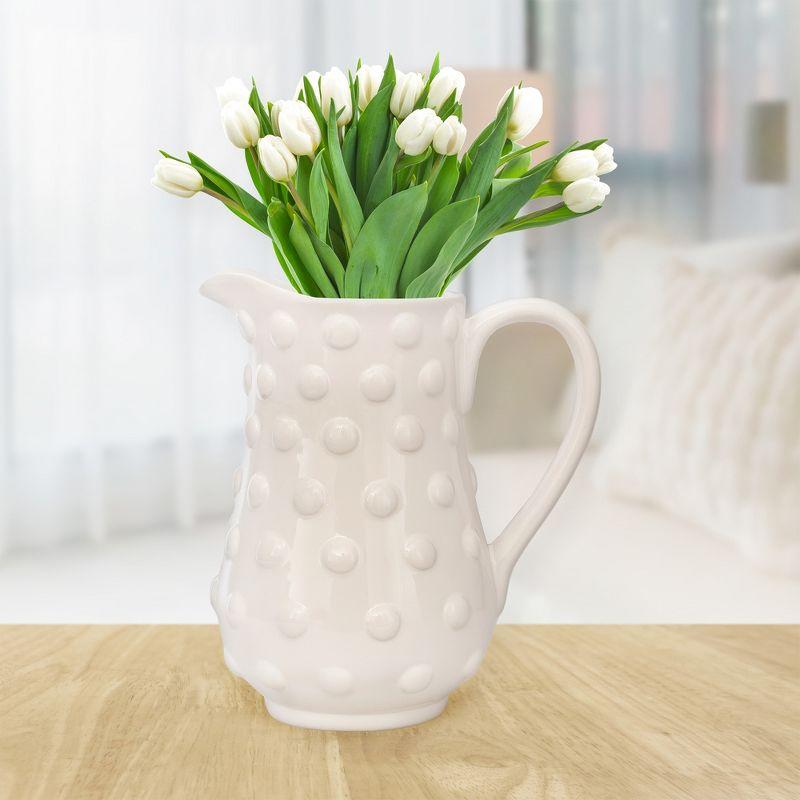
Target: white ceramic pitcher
(357, 589)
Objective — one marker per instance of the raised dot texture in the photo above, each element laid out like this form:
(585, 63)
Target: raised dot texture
(416, 679)
(408, 434)
(381, 498)
(257, 490)
(265, 381)
(314, 382)
(431, 377)
(214, 593)
(270, 676)
(336, 680)
(247, 378)
(286, 433)
(272, 551)
(471, 665)
(450, 427)
(292, 619)
(282, 330)
(382, 622)
(339, 554)
(441, 491)
(340, 435)
(471, 542)
(450, 325)
(406, 330)
(456, 611)
(232, 542)
(340, 331)
(377, 383)
(309, 496)
(252, 430)
(237, 480)
(230, 662)
(236, 609)
(419, 551)
(246, 326)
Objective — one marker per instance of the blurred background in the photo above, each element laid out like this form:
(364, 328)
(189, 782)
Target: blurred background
(120, 388)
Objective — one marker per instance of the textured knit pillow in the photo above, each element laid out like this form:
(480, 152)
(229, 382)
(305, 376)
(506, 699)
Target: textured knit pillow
(711, 430)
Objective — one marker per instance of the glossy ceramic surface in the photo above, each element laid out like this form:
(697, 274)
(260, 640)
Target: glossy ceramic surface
(357, 589)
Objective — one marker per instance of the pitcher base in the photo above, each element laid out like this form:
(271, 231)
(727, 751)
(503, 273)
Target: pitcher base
(301, 718)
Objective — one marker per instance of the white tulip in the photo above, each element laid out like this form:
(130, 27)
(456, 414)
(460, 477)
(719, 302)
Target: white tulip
(298, 128)
(177, 178)
(313, 78)
(449, 137)
(585, 194)
(407, 89)
(334, 87)
(442, 86)
(276, 158)
(576, 165)
(526, 111)
(369, 79)
(275, 114)
(241, 124)
(605, 158)
(232, 89)
(416, 131)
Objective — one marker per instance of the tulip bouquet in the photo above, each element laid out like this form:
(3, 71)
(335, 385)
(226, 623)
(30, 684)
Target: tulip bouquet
(362, 185)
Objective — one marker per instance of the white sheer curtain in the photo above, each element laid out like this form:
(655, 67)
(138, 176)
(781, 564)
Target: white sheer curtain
(672, 83)
(120, 395)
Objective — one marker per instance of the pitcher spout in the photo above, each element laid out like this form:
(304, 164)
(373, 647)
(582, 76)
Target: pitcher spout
(241, 290)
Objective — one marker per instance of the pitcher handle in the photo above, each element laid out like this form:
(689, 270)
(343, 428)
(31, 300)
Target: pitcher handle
(508, 546)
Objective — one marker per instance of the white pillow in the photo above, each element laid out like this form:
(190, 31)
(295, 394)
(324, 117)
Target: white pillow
(711, 428)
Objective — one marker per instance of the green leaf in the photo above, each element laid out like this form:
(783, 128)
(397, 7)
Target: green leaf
(389, 76)
(373, 129)
(383, 182)
(551, 188)
(504, 204)
(330, 261)
(589, 145)
(263, 117)
(479, 178)
(319, 200)
(254, 208)
(546, 216)
(462, 262)
(280, 224)
(352, 215)
(444, 185)
(349, 152)
(313, 102)
(287, 270)
(432, 73)
(301, 178)
(517, 151)
(299, 237)
(431, 283)
(448, 107)
(381, 247)
(431, 240)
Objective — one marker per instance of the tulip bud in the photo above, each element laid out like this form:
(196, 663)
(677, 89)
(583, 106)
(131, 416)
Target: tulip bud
(232, 89)
(416, 131)
(241, 124)
(449, 137)
(313, 78)
(407, 89)
(575, 165)
(275, 114)
(605, 158)
(442, 86)
(526, 111)
(369, 79)
(334, 87)
(298, 128)
(276, 158)
(177, 178)
(585, 194)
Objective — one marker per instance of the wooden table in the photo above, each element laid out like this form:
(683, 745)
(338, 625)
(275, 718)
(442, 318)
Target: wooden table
(555, 712)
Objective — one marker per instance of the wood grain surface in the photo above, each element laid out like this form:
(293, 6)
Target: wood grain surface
(561, 712)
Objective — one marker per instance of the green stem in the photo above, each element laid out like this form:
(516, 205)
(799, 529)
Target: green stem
(514, 224)
(299, 203)
(348, 244)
